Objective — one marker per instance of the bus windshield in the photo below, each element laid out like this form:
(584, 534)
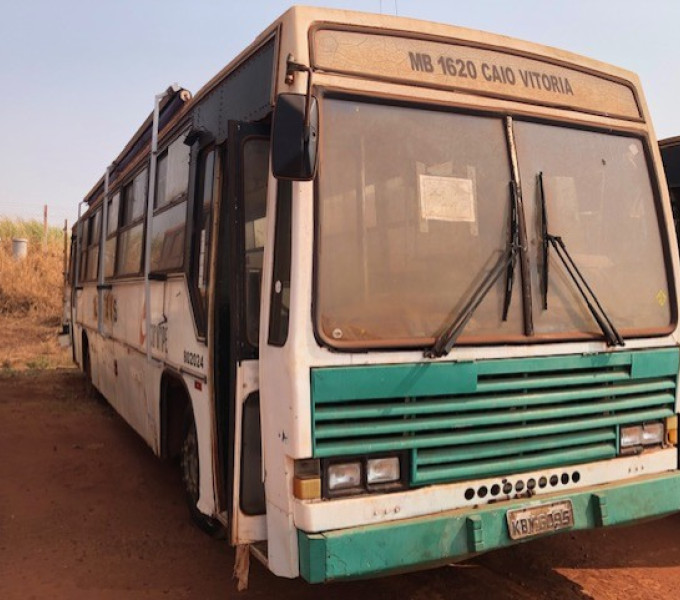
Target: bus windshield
(414, 210)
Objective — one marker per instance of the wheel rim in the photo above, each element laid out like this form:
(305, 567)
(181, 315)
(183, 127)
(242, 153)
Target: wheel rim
(190, 463)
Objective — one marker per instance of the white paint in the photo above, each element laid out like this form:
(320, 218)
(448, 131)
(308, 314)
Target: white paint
(135, 391)
(324, 515)
(245, 528)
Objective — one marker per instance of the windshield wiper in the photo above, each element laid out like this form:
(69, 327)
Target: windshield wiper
(612, 336)
(445, 341)
(544, 244)
(514, 246)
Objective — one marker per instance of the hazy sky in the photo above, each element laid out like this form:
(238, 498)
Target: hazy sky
(77, 77)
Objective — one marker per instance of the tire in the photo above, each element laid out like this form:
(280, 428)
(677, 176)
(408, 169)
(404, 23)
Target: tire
(90, 389)
(189, 466)
(87, 367)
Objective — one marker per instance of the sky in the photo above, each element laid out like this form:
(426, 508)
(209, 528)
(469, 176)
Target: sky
(78, 77)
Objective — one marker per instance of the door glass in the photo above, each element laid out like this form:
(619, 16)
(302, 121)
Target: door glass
(255, 173)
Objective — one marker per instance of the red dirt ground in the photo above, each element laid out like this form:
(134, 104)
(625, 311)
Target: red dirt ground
(87, 511)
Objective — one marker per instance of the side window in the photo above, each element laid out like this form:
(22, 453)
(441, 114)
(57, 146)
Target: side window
(82, 248)
(111, 229)
(72, 259)
(280, 292)
(255, 175)
(93, 239)
(170, 208)
(130, 234)
(89, 266)
(206, 185)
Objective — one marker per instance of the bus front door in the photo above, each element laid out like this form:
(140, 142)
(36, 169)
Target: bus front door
(248, 171)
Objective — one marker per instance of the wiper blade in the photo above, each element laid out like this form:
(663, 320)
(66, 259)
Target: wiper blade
(448, 337)
(544, 244)
(506, 262)
(611, 334)
(514, 244)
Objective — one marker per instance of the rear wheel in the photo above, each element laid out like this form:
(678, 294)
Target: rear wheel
(89, 388)
(87, 368)
(189, 464)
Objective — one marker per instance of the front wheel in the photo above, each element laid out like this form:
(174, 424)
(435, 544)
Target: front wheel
(189, 464)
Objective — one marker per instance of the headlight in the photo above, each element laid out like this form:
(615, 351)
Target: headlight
(652, 433)
(382, 470)
(631, 436)
(649, 434)
(344, 476)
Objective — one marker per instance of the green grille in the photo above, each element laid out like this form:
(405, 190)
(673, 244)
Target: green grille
(486, 418)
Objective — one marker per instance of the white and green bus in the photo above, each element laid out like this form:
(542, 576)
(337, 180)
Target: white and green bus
(395, 292)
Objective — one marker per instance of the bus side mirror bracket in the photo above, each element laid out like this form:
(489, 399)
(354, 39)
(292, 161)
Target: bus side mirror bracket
(295, 137)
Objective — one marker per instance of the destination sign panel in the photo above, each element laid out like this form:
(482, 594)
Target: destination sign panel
(465, 68)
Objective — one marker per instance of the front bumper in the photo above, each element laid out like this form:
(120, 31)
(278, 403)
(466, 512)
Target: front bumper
(421, 542)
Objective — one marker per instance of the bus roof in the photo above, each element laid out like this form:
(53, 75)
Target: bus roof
(299, 20)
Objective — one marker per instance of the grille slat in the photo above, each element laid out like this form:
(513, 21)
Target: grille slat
(466, 453)
(388, 426)
(341, 447)
(466, 420)
(483, 403)
(505, 384)
(523, 463)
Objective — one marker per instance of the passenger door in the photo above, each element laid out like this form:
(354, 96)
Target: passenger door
(248, 172)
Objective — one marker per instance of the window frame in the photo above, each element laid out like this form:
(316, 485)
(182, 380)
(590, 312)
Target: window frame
(200, 150)
(563, 337)
(112, 234)
(279, 325)
(242, 242)
(160, 208)
(126, 227)
(94, 215)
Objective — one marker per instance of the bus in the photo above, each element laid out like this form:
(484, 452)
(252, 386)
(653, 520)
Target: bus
(395, 293)
(670, 155)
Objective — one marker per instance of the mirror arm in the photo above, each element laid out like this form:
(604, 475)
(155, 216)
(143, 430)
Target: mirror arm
(293, 67)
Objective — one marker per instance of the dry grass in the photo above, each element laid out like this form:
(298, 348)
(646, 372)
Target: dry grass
(31, 295)
(33, 285)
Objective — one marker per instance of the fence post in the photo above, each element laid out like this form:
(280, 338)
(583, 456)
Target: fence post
(65, 250)
(45, 229)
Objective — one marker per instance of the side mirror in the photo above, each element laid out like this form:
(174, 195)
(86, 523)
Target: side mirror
(295, 137)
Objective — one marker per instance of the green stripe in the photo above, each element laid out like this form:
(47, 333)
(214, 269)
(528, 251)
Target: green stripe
(451, 454)
(485, 403)
(431, 379)
(416, 543)
(487, 468)
(392, 381)
(373, 428)
(563, 380)
(344, 447)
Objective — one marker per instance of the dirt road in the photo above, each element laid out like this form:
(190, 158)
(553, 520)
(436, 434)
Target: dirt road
(87, 511)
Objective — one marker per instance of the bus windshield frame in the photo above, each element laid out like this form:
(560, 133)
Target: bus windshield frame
(343, 263)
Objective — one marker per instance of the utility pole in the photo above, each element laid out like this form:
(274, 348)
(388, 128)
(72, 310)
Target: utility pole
(65, 251)
(45, 229)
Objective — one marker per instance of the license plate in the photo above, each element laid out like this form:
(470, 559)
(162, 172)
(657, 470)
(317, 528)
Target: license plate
(543, 518)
